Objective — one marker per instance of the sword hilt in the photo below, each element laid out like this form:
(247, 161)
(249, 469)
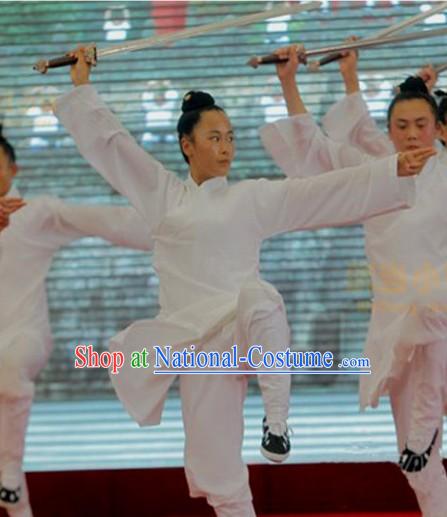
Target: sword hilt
(255, 61)
(43, 65)
(330, 58)
(270, 59)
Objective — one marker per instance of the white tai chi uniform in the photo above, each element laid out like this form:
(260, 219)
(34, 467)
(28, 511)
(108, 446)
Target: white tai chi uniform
(407, 255)
(206, 253)
(27, 247)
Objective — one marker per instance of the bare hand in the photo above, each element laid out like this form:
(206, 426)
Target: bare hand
(80, 71)
(287, 71)
(429, 76)
(11, 204)
(7, 207)
(348, 64)
(410, 163)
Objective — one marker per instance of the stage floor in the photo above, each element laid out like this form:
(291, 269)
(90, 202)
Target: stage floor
(83, 435)
(344, 515)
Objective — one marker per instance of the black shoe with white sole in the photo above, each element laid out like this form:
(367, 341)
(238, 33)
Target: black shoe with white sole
(9, 497)
(411, 461)
(275, 445)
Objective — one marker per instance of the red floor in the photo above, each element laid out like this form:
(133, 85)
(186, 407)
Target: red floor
(327, 489)
(356, 514)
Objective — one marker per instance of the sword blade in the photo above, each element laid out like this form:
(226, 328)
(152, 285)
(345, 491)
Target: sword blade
(205, 29)
(398, 27)
(356, 45)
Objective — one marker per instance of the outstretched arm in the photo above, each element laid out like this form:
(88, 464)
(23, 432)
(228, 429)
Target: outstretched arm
(119, 225)
(343, 197)
(113, 152)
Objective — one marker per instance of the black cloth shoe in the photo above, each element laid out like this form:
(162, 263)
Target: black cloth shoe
(9, 497)
(411, 461)
(275, 445)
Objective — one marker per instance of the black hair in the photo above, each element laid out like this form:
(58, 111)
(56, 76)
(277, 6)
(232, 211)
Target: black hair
(193, 105)
(7, 147)
(413, 87)
(442, 109)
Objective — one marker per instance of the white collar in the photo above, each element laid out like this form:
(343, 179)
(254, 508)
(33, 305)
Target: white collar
(209, 185)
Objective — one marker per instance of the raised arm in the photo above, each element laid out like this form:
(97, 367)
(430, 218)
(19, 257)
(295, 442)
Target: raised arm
(301, 149)
(349, 121)
(113, 152)
(119, 225)
(296, 143)
(344, 197)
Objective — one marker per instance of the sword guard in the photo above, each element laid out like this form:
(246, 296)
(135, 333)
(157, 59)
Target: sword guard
(43, 65)
(90, 54)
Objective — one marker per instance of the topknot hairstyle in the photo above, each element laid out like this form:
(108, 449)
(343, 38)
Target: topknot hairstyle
(193, 105)
(413, 87)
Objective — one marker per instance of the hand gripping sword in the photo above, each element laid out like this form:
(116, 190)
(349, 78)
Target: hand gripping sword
(303, 54)
(394, 29)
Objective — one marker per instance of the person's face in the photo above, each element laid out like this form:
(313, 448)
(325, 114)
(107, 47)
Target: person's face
(413, 125)
(7, 172)
(210, 148)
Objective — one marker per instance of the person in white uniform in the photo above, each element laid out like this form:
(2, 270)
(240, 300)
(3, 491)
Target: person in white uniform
(407, 339)
(207, 237)
(27, 246)
(419, 409)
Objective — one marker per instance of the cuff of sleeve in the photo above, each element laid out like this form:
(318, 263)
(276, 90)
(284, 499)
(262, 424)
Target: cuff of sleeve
(84, 93)
(343, 116)
(280, 140)
(405, 184)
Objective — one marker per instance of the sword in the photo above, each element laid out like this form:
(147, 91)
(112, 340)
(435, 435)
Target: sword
(398, 27)
(303, 54)
(93, 54)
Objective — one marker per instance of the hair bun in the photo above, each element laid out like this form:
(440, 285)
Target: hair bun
(196, 100)
(414, 84)
(441, 93)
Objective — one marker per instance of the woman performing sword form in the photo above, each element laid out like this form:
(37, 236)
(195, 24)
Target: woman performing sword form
(27, 246)
(207, 237)
(407, 252)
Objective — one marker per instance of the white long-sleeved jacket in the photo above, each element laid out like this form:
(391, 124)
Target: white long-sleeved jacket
(27, 247)
(208, 237)
(406, 250)
(349, 121)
